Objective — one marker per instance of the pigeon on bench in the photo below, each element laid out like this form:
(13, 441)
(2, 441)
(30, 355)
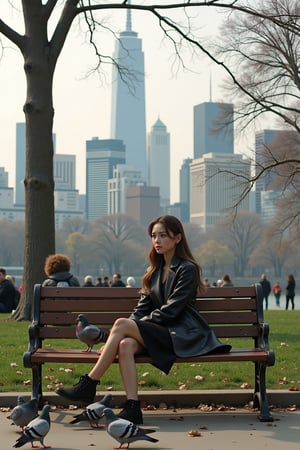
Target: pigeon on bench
(89, 334)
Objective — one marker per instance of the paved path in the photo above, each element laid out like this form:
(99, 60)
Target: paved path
(224, 430)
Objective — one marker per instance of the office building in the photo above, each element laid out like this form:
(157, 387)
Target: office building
(8, 211)
(184, 190)
(66, 197)
(215, 187)
(124, 176)
(213, 128)
(263, 141)
(159, 161)
(102, 156)
(143, 203)
(128, 117)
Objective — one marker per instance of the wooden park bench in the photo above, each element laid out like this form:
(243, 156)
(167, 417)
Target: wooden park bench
(233, 312)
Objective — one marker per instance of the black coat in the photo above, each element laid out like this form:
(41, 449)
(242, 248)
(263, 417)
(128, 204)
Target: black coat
(174, 309)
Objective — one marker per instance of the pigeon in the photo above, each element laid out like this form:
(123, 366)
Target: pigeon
(36, 430)
(93, 412)
(24, 412)
(124, 431)
(89, 334)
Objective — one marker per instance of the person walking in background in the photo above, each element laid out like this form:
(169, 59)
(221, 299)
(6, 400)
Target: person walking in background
(164, 324)
(57, 268)
(226, 281)
(266, 288)
(290, 291)
(117, 280)
(276, 289)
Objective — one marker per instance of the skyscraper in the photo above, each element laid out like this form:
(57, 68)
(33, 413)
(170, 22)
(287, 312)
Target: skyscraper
(128, 117)
(159, 161)
(102, 155)
(214, 189)
(123, 177)
(184, 182)
(213, 128)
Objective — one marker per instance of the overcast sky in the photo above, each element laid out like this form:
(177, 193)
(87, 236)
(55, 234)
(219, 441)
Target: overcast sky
(82, 104)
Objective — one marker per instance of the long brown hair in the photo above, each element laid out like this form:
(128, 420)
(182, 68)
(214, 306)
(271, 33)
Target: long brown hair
(173, 227)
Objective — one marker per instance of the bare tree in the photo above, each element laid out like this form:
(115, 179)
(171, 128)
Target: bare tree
(263, 53)
(47, 25)
(241, 234)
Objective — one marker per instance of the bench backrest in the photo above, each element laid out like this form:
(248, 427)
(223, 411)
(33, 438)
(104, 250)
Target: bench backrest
(231, 311)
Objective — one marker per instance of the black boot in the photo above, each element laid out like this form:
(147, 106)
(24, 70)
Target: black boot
(84, 391)
(132, 412)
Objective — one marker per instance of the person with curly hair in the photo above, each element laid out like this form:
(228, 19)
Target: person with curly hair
(57, 268)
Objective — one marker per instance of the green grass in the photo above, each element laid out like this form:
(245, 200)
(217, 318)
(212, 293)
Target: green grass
(284, 340)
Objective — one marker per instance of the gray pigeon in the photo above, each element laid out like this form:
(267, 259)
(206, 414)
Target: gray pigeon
(124, 431)
(24, 412)
(93, 412)
(89, 334)
(36, 430)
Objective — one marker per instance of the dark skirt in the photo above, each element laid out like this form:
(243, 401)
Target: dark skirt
(158, 344)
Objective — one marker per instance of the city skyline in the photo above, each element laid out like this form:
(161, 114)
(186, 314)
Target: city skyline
(83, 104)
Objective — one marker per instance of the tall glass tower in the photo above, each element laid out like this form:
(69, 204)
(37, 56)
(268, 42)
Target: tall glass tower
(128, 117)
(213, 128)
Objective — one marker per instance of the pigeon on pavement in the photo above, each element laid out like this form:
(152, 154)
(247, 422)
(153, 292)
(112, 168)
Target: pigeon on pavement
(24, 412)
(36, 430)
(94, 412)
(89, 334)
(124, 431)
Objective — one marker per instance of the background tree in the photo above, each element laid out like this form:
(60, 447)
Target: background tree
(113, 237)
(241, 233)
(12, 242)
(261, 53)
(213, 257)
(75, 248)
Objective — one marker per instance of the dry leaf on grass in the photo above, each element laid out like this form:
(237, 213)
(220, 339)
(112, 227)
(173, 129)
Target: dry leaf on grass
(245, 385)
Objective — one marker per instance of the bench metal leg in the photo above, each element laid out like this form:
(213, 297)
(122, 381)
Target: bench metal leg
(37, 391)
(260, 399)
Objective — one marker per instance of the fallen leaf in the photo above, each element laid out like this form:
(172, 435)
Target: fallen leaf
(194, 433)
(245, 385)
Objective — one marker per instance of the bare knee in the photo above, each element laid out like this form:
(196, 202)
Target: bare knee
(120, 324)
(127, 347)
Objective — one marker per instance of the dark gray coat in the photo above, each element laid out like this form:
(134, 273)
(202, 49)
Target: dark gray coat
(174, 309)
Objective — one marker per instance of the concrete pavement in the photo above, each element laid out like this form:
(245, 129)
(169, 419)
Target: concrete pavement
(233, 428)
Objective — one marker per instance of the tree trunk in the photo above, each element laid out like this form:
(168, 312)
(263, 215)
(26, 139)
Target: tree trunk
(39, 183)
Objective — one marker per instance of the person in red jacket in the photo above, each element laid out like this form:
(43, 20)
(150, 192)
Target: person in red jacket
(276, 289)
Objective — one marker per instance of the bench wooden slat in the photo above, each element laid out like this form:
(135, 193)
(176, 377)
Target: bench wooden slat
(104, 318)
(78, 356)
(241, 331)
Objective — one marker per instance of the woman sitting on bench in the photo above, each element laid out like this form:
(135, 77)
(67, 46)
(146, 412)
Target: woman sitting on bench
(165, 324)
